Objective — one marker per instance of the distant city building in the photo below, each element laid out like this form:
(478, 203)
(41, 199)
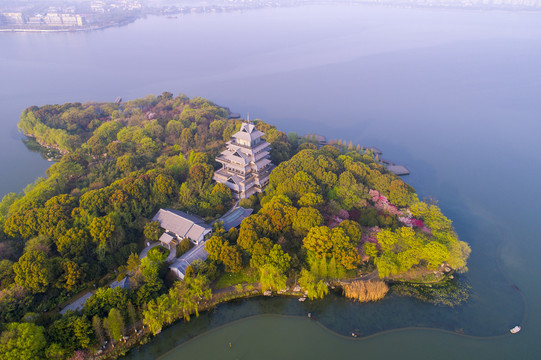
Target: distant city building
(245, 163)
(15, 18)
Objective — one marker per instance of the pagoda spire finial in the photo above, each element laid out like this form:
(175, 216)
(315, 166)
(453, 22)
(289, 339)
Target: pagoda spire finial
(248, 117)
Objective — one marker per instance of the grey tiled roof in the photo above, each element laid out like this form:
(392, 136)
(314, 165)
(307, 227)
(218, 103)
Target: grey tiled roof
(166, 238)
(234, 217)
(181, 223)
(198, 252)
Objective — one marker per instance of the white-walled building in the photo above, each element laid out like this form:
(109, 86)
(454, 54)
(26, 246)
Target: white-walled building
(246, 163)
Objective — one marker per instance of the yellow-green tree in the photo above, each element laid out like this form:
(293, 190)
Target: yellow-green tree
(33, 271)
(318, 240)
(72, 276)
(24, 341)
(271, 278)
(314, 287)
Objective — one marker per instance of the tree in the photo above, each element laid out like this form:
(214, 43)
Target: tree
(101, 229)
(158, 313)
(459, 251)
(280, 212)
(315, 289)
(231, 257)
(97, 325)
(115, 324)
(133, 263)
(75, 244)
(344, 250)
(318, 240)
(271, 278)
(400, 193)
(352, 230)
(132, 316)
(310, 199)
(214, 247)
(41, 243)
(306, 219)
(183, 247)
(56, 351)
(83, 331)
(279, 259)
(33, 271)
(153, 230)
(187, 294)
(260, 252)
(72, 276)
(24, 341)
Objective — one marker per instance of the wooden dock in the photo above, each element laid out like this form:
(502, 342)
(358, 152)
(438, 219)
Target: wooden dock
(399, 170)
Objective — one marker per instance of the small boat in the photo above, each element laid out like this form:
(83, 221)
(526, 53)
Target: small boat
(302, 299)
(515, 330)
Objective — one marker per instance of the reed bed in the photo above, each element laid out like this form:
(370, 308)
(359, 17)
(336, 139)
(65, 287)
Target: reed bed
(364, 291)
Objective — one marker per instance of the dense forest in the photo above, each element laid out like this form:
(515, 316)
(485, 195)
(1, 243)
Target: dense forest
(328, 213)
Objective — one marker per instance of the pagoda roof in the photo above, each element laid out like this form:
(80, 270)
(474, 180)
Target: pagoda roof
(262, 163)
(248, 132)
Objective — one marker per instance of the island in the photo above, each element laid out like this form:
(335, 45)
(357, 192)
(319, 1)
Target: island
(158, 208)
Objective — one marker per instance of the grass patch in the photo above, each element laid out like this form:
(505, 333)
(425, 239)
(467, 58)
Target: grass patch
(158, 253)
(230, 279)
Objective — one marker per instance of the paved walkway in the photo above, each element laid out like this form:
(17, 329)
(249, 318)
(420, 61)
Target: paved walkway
(170, 258)
(77, 304)
(145, 250)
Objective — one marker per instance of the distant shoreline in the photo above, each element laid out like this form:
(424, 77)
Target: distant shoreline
(72, 29)
(412, 4)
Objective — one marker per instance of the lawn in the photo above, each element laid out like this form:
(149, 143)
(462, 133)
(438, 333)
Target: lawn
(230, 279)
(158, 252)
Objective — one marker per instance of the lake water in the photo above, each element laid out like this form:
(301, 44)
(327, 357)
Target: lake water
(453, 95)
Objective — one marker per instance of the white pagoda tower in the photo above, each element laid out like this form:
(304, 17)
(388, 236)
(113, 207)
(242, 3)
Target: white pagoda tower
(245, 163)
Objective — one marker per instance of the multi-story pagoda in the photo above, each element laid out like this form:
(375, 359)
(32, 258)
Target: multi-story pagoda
(245, 163)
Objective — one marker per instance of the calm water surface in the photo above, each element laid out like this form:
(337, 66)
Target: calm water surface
(454, 95)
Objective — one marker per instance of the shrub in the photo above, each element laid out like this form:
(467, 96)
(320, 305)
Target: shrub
(184, 246)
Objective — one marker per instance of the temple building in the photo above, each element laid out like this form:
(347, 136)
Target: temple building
(245, 163)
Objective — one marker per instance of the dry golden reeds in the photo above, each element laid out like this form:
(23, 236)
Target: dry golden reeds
(364, 291)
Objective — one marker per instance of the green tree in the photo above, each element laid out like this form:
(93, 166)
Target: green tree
(101, 229)
(132, 314)
(400, 193)
(318, 240)
(271, 278)
(214, 247)
(115, 323)
(153, 230)
(315, 289)
(260, 252)
(97, 325)
(306, 219)
(83, 331)
(280, 259)
(187, 294)
(310, 199)
(344, 250)
(183, 247)
(231, 257)
(33, 271)
(24, 341)
(56, 351)
(72, 276)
